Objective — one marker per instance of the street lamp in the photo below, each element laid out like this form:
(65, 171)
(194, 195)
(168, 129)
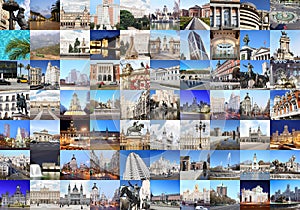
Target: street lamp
(201, 128)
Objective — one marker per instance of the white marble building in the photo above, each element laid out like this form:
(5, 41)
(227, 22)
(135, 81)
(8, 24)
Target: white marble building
(196, 195)
(163, 166)
(255, 195)
(52, 74)
(95, 193)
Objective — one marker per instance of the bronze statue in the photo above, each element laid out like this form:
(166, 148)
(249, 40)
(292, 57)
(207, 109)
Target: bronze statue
(21, 19)
(21, 103)
(246, 39)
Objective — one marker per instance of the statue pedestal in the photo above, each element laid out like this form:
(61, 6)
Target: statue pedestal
(20, 116)
(132, 142)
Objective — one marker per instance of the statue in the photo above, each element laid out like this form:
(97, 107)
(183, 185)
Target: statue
(21, 103)
(136, 128)
(21, 19)
(246, 39)
(283, 33)
(249, 67)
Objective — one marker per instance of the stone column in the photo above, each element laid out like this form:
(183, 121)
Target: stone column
(222, 16)
(238, 16)
(214, 16)
(231, 21)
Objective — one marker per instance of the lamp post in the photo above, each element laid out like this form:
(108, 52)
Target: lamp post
(201, 128)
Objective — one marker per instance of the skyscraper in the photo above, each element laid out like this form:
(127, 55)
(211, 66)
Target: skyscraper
(196, 47)
(135, 168)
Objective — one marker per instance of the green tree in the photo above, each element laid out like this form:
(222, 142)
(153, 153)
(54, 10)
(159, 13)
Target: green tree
(20, 65)
(18, 49)
(127, 19)
(76, 44)
(27, 68)
(70, 48)
(92, 25)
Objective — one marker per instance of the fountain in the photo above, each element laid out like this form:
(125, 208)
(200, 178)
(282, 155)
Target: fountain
(35, 170)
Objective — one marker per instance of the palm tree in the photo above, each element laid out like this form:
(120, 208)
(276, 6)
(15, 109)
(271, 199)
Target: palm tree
(18, 48)
(20, 65)
(28, 68)
(55, 9)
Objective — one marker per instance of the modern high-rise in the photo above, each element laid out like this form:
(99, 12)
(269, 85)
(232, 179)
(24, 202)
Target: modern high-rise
(108, 14)
(135, 168)
(196, 47)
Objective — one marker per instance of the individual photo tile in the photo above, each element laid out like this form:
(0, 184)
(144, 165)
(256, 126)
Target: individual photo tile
(135, 135)
(105, 75)
(225, 194)
(135, 75)
(44, 163)
(195, 75)
(284, 15)
(134, 165)
(44, 194)
(252, 48)
(255, 134)
(194, 105)
(75, 194)
(225, 16)
(74, 165)
(44, 104)
(15, 164)
(285, 134)
(255, 164)
(162, 195)
(135, 44)
(284, 104)
(134, 14)
(283, 45)
(75, 75)
(225, 44)
(225, 104)
(74, 104)
(14, 75)
(258, 9)
(195, 15)
(194, 45)
(165, 45)
(164, 134)
(224, 165)
(44, 45)
(75, 15)
(225, 75)
(14, 105)
(105, 134)
(225, 135)
(164, 165)
(105, 104)
(75, 44)
(74, 134)
(284, 164)
(105, 193)
(45, 134)
(15, 45)
(194, 165)
(255, 194)
(166, 16)
(15, 134)
(105, 45)
(194, 135)
(284, 74)
(105, 15)
(255, 104)
(164, 105)
(195, 194)
(44, 15)
(15, 194)
(105, 165)
(135, 104)
(283, 193)
(164, 74)
(255, 74)
(43, 74)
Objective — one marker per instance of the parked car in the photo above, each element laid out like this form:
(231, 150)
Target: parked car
(113, 83)
(200, 208)
(22, 80)
(4, 82)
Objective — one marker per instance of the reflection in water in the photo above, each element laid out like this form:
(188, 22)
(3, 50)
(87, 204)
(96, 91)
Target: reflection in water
(164, 115)
(105, 54)
(229, 143)
(165, 26)
(255, 176)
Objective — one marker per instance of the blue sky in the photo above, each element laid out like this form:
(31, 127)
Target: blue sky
(51, 184)
(65, 183)
(155, 64)
(260, 154)
(222, 156)
(259, 96)
(168, 33)
(144, 154)
(43, 64)
(264, 37)
(188, 95)
(185, 4)
(14, 124)
(107, 187)
(10, 153)
(214, 63)
(274, 93)
(184, 46)
(131, 95)
(277, 125)
(225, 125)
(284, 155)
(81, 157)
(66, 96)
(43, 7)
(260, 5)
(246, 124)
(44, 95)
(105, 153)
(195, 155)
(190, 185)
(80, 65)
(194, 64)
(294, 36)
(23, 70)
(257, 65)
(233, 187)
(159, 186)
(176, 92)
(171, 155)
(52, 126)
(11, 185)
(95, 3)
(223, 94)
(282, 185)
(160, 5)
(104, 95)
(101, 125)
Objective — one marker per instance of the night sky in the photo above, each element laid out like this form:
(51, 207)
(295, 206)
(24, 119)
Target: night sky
(279, 124)
(11, 185)
(65, 124)
(250, 184)
(97, 35)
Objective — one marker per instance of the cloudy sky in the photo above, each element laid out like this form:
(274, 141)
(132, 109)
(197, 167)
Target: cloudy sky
(52, 126)
(246, 124)
(43, 7)
(128, 123)
(38, 184)
(75, 5)
(189, 126)
(157, 126)
(142, 4)
(44, 95)
(65, 183)
(72, 35)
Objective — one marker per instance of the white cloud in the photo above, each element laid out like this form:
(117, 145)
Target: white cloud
(246, 124)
